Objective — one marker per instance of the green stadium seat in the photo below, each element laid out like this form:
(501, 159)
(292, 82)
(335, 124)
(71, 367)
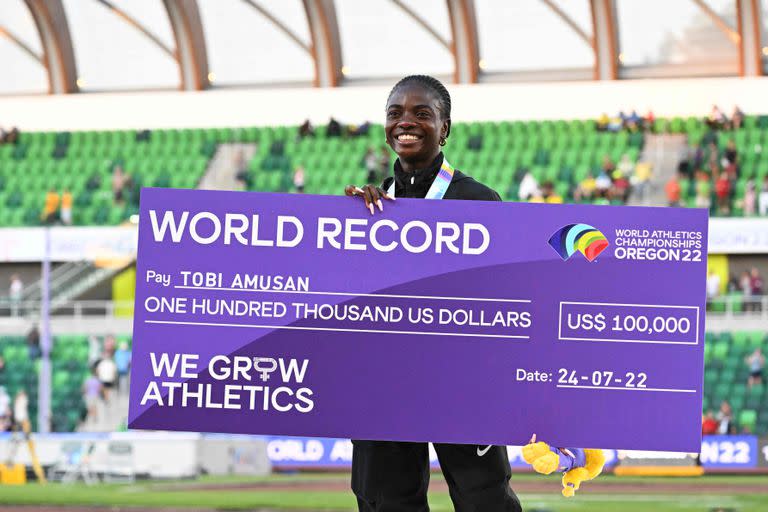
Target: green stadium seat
(748, 419)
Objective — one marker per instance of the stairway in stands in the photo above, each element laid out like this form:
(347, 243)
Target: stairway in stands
(663, 151)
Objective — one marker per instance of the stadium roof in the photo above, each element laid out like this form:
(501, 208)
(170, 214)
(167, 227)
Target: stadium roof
(64, 46)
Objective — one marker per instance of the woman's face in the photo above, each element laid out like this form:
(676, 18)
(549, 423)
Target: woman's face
(414, 124)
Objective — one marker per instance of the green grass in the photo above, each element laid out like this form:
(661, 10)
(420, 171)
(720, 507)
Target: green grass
(182, 494)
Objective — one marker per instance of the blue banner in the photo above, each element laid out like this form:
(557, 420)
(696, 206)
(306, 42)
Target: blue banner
(733, 452)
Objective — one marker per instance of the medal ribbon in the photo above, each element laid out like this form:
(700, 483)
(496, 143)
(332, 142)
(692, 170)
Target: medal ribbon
(439, 185)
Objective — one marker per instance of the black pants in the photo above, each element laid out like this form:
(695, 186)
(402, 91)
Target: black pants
(393, 477)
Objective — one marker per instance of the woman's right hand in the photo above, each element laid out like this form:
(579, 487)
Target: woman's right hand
(371, 194)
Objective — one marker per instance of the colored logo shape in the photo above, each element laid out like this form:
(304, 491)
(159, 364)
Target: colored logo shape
(578, 237)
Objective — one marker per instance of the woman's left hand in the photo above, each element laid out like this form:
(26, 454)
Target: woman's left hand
(371, 194)
(577, 464)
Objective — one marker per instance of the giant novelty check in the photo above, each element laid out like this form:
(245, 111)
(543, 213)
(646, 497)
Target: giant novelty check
(445, 321)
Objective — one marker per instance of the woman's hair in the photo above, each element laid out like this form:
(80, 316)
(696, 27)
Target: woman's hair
(432, 84)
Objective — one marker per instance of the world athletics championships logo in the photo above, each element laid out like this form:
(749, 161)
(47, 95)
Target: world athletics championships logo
(578, 237)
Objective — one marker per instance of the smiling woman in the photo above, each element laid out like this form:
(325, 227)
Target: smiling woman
(389, 475)
(418, 124)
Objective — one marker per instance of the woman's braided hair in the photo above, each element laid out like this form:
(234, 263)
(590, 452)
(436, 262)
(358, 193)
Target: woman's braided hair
(436, 86)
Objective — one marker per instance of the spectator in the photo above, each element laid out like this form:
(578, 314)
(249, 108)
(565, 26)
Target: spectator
(737, 118)
(123, 363)
(93, 183)
(475, 142)
(716, 119)
(242, 175)
(723, 193)
(620, 186)
(51, 208)
(709, 424)
(298, 179)
(372, 167)
(9, 137)
(66, 208)
(731, 154)
(649, 120)
(672, 189)
(6, 420)
(106, 371)
(725, 419)
(110, 345)
(763, 197)
(14, 294)
(730, 161)
(750, 198)
(756, 363)
(91, 392)
(713, 284)
(756, 286)
(703, 190)
(306, 129)
(21, 411)
(603, 183)
(626, 166)
(529, 187)
(33, 343)
(616, 124)
(608, 166)
(384, 161)
(333, 129)
(641, 180)
(548, 194)
(118, 183)
(745, 285)
(602, 122)
(585, 190)
(633, 121)
(359, 130)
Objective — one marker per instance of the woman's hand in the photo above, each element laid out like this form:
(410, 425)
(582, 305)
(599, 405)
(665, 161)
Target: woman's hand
(371, 194)
(577, 465)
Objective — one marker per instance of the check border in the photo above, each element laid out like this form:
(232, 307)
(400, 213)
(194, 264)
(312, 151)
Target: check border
(656, 342)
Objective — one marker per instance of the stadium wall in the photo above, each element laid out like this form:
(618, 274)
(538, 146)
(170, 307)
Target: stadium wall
(276, 106)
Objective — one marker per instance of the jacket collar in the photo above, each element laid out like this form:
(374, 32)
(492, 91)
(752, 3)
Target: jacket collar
(417, 183)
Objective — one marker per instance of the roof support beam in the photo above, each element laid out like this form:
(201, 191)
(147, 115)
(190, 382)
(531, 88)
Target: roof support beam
(424, 24)
(606, 40)
(465, 45)
(15, 39)
(569, 21)
(58, 53)
(748, 17)
(724, 27)
(191, 53)
(326, 42)
(282, 27)
(138, 26)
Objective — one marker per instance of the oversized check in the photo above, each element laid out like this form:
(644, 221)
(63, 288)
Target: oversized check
(445, 321)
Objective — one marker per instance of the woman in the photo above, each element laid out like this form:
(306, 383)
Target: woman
(393, 476)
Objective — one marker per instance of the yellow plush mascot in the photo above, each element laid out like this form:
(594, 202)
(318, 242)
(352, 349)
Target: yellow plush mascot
(578, 465)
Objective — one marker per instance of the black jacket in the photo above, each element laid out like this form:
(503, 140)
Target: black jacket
(416, 184)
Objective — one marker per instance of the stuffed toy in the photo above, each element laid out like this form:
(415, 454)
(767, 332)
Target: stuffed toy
(578, 465)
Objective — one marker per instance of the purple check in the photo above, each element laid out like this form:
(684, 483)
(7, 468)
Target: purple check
(446, 321)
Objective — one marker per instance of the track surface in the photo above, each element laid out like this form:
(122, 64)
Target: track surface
(543, 486)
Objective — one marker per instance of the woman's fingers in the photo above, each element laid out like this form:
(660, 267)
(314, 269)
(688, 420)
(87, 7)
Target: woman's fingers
(371, 194)
(385, 195)
(368, 195)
